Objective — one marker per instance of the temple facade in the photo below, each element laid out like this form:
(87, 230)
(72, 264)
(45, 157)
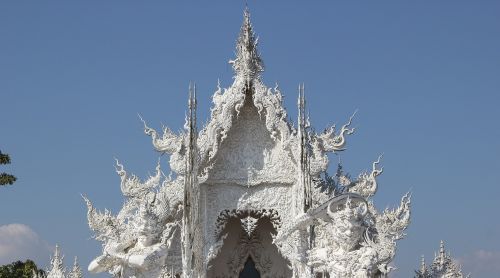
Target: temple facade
(249, 195)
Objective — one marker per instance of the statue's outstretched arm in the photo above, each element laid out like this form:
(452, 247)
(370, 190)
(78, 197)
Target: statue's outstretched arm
(142, 260)
(100, 264)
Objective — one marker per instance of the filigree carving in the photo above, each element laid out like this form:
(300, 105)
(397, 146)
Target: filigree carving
(332, 141)
(132, 186)
(366, 184)
(248, 219)
(169, 142)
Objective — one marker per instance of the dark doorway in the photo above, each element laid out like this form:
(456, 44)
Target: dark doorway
(249, 271)
(242, 256)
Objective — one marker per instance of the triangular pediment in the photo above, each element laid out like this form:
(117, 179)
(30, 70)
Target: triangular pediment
(249, 153)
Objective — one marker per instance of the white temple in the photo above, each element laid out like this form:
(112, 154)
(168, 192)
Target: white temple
(249, 195)
(443, 266)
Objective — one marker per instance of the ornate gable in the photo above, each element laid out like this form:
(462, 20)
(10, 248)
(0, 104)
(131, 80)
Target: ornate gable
(248, 135)
(249, 155)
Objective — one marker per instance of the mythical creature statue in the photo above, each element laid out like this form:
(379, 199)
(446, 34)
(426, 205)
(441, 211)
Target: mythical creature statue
(351, 238)
(136, 243)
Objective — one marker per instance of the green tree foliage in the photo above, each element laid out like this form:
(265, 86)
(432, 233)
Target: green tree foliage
(20, 270)
(4, 177)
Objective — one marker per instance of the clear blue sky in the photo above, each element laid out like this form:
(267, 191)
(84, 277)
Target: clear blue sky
(425, 77)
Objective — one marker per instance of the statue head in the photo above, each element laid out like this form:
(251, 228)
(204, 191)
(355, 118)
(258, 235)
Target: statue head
(147, 225)
(347, 226)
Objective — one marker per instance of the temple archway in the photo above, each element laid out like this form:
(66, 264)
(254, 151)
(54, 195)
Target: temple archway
(247, 249)
(249, 270)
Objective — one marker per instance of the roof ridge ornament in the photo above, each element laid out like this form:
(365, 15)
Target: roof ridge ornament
(247, 65)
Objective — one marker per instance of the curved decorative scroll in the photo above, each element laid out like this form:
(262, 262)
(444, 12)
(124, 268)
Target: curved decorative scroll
(334, 142)
(366, 184)
(169, 142)
(132, 186)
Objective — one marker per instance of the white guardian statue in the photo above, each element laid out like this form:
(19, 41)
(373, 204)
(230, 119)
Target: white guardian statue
(250, 197)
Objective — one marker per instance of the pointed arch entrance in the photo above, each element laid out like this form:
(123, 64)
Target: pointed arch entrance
(249, 270)
(247, 249)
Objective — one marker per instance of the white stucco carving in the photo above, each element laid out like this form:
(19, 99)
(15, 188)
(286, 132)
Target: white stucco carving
(249, 186)
(58, 270)
(138, 241)
(443, 266)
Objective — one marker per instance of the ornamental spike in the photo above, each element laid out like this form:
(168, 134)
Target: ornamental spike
(194, 95)
(442, 252)
(422, 265)
(247, 64)
(190, 89)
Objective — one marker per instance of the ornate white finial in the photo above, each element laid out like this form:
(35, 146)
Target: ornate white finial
(248, 64)
(442, 253)
(422, 265)
(57, 260)
(76, 271)
(56, 265)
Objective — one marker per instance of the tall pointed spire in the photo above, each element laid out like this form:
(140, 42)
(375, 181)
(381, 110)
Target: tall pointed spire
(248, 64)
(442, 253)
(76, 271)
(191, 262)
(56, 265)
(422, 266)
(57, 260)
(304, 194)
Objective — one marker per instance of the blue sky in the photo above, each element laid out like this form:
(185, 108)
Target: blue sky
(424, 76)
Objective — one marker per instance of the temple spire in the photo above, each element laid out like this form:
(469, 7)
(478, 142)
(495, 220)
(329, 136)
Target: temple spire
(442, 253)
(422, 265)
(57, 260)
(190, 220)
(56, 265)
(76, 271)
(247, 64)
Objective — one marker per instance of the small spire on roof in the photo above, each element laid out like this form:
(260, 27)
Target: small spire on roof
(76, 271)
(56, 269)
(422, 265)
(57, 259)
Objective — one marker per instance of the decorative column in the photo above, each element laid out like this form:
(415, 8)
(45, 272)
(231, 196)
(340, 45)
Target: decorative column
(191, 241)
(302, 198)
